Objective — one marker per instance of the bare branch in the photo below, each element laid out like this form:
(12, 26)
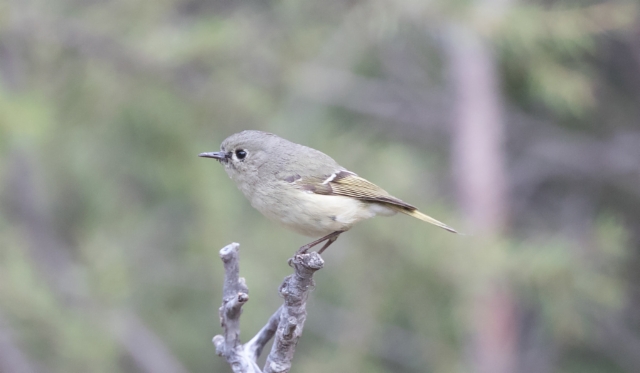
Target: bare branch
(295, 290)
(256, 344)
(235, 295)
(286, 323)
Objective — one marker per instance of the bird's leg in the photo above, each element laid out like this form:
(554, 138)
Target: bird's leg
(329, 242)
(330, 238)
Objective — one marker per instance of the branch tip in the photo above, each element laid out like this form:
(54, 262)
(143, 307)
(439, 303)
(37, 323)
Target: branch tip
(312, 261)
(243, 297)
(218, 342)
(229, 250)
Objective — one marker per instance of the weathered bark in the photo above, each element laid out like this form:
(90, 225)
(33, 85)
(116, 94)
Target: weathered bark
(285, 324)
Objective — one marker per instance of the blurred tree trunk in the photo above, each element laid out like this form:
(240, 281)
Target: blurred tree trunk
(479, 168)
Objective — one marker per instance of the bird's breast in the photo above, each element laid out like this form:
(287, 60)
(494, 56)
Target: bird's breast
(311, 214)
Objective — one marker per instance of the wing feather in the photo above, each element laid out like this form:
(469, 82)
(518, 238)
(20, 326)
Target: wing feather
(346, 183)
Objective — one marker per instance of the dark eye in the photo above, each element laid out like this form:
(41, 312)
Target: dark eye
(241, 154)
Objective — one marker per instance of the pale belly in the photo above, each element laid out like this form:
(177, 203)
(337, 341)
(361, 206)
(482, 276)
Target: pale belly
(317, 215)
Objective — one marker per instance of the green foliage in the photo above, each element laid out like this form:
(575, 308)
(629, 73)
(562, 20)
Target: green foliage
(112, 102)
(548, 55)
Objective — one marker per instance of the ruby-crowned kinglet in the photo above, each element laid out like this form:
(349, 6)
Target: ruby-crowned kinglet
(304, 189)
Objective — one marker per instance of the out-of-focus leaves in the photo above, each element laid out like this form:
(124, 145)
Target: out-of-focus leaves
(107, 104)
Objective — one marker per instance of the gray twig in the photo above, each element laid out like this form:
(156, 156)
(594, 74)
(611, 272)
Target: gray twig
(285, 324)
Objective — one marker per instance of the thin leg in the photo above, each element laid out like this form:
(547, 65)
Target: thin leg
(329, 242)
(331, 237)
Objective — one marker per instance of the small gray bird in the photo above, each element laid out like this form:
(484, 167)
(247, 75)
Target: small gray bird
(304, 189)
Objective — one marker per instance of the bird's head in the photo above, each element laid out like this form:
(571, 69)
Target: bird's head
(244, 152)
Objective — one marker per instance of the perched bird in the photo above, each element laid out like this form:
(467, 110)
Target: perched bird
(304, 189)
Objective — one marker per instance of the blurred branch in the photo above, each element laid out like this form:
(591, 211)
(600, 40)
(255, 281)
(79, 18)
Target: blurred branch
(416, 109)
(622, 345)
(407, 349)
(634, 43)
(538, 150)
(63, 274)
(551, 153)
(286, 323)
(24, 203)
(29, 26)
(145, 347)
(597, 18)
(12, 359)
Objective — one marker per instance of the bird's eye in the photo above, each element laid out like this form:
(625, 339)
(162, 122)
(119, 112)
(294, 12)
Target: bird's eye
(241, 154)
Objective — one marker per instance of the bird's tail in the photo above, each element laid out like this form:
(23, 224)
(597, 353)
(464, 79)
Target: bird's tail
(418, 215)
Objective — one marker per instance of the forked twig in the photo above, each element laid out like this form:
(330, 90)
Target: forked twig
(286, 323)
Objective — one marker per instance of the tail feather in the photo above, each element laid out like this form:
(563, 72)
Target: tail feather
(418, 215)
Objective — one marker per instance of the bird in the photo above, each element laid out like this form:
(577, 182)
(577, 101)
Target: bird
(304, 189)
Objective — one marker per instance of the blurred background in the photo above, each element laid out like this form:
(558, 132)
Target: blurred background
(517, 122)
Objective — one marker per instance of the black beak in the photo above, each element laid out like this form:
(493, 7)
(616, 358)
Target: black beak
(220, 156)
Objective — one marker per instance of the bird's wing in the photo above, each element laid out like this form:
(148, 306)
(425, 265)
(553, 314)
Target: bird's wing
(346, 183)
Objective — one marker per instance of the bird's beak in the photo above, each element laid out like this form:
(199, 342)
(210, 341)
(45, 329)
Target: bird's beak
(219, 156)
